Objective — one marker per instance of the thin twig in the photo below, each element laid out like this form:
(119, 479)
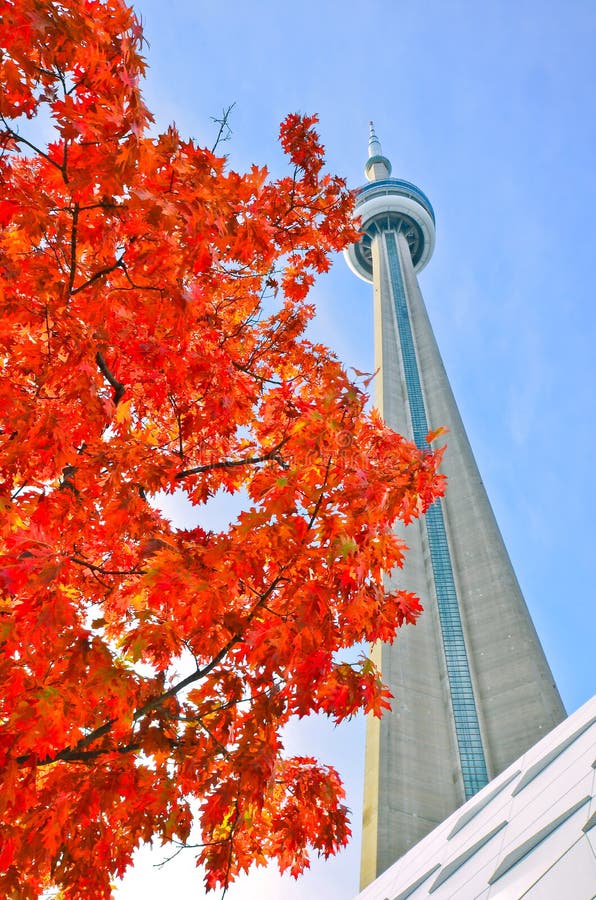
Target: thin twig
(179, 424)
(73, 247)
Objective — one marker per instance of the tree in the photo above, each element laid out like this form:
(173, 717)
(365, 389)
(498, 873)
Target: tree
(153, 311)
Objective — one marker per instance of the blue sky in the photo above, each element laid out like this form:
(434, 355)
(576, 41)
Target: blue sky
(489, 108)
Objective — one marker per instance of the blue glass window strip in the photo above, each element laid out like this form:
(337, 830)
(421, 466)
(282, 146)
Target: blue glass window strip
(467, 728)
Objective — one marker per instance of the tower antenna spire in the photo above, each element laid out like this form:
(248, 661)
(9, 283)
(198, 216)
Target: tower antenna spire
(377, 166)
(374, 144)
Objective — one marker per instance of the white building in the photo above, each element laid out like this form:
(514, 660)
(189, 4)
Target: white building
(530, 833)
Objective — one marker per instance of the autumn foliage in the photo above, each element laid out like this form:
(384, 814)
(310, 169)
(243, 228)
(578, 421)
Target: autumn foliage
(152, 341)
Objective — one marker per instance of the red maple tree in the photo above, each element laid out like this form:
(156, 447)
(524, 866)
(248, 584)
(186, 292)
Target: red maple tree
(152, 317)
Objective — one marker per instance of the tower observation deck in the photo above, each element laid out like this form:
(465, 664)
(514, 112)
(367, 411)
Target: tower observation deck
(473, 690)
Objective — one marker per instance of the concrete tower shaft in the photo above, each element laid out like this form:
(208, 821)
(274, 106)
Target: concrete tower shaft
(472, 686)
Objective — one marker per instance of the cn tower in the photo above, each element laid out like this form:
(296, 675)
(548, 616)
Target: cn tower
(473, 690)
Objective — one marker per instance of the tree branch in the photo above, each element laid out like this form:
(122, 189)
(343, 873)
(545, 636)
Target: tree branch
(273, 454)
(119, 388)
(88, 565)
(99, 274)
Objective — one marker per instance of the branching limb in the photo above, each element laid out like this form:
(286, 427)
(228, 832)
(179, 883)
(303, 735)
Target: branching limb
(224, 127)
(182, 847)
(21, 140)
(92, 568)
